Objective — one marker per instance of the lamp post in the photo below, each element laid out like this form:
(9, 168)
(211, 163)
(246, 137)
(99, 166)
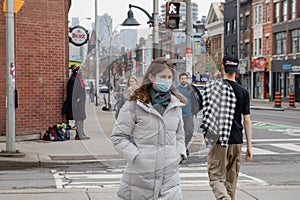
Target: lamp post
(110, 68)
(97, 54)
(188, 44)
(153, 22)
(10, 80)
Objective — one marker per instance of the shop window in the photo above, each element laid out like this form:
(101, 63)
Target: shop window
(281, 83)
(287, 83)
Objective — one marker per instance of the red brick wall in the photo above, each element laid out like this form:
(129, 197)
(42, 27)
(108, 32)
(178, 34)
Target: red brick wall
(41, 58)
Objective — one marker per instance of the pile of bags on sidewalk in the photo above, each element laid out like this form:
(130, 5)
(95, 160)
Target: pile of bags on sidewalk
(58, 132)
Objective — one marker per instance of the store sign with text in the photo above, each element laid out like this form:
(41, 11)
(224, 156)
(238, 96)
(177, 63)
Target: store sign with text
(78, 35)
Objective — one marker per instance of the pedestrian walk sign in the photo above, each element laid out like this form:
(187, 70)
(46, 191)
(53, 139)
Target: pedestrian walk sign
(172, 15)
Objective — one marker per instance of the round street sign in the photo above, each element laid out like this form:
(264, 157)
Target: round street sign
(78, 35)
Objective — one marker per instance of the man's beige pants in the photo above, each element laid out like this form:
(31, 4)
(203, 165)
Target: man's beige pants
(223, 170)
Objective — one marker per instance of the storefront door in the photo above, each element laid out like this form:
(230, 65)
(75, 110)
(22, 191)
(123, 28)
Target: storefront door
(297, 87)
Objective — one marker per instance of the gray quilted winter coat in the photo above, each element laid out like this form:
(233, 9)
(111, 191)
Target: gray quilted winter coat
(152, 145)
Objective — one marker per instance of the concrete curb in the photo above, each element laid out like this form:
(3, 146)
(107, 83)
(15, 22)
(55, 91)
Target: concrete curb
(266, 108)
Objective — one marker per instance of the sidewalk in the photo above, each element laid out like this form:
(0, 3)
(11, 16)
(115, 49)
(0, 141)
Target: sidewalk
(98, 126)
(262, 104)
(99, 149)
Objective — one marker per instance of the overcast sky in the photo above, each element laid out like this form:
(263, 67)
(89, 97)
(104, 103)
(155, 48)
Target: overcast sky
(118, 9)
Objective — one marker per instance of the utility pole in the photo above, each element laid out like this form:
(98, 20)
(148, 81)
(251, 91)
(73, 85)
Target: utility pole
(97, 53)
(189, 29)
(238, 38)
(155, 30)
(10, 79)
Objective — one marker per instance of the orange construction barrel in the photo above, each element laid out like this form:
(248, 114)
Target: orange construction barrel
(277, 101)
(292, 100)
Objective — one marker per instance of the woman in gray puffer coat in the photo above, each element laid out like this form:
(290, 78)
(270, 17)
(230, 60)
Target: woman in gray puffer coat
(149, 135)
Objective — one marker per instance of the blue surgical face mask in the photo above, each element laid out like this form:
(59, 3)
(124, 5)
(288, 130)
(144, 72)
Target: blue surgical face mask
(163, 85)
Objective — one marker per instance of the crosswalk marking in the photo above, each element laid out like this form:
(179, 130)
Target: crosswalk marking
(191, 176)
(259, 151)
(291, 147)
(263, 149)
(276, 140)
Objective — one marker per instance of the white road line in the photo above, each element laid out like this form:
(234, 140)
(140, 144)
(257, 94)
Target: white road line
(192, 168)
(292, 147)
(259, 181)
(93, 176)
(259, 151)
(58, 179)
(190, 176)
(276, 140)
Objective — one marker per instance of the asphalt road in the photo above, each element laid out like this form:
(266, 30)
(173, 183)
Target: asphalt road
(276, 146)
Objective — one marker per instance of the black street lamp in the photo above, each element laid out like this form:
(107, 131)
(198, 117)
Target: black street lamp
(131, 21)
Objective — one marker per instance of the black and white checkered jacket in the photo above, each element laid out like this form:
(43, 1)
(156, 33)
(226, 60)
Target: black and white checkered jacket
(219, 103)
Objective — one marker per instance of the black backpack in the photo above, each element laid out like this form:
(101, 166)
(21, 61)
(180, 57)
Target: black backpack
(197, 100)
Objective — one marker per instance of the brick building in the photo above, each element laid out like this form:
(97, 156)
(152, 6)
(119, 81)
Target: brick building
(41, 60)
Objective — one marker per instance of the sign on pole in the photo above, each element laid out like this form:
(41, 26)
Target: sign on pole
(189, 61)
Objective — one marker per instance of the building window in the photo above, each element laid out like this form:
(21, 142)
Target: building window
(248, 50)
(233, 24)
(295, 40)
(242, 55)
(226, 50)
(248, 22)
(298, 10)
(267, 46)
(227, 28)
(242, 24)
(268, 14)
(257, 47)
(258, 14)
(233, 49)
(276, 12)
(284, 10)
(292, 9)
(280, 43)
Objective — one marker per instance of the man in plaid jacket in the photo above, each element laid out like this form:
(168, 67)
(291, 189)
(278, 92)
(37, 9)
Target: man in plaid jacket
(225, 105)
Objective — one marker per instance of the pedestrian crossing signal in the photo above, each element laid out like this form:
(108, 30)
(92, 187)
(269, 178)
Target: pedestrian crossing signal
(172, 15)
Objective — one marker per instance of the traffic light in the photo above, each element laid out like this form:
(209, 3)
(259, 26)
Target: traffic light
(172, 15)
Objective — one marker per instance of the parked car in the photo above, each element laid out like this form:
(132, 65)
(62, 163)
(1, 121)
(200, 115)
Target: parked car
(103, 88)
(200, 88)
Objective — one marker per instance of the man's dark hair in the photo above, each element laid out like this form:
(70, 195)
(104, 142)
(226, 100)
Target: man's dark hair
(183, 74)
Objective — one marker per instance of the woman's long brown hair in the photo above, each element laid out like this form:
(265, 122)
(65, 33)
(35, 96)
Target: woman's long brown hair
(157, 65)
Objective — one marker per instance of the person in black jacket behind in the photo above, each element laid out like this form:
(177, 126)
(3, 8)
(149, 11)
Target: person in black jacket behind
(74, 106)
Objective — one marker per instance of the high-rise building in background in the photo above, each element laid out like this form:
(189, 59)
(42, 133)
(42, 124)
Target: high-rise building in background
(105, 30)
(128, 38)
